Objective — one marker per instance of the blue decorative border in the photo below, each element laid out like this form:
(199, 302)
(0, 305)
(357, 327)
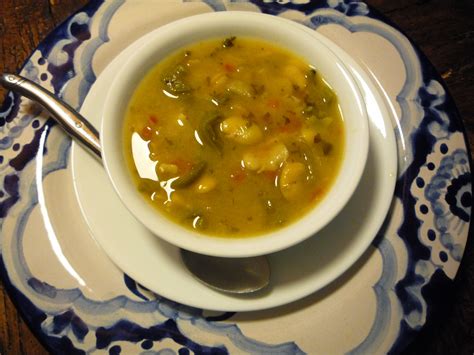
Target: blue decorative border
(439, 121)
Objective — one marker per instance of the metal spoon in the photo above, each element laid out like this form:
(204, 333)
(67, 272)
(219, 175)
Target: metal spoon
(233, 275)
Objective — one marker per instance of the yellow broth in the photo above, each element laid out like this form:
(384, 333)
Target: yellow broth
(233, 137)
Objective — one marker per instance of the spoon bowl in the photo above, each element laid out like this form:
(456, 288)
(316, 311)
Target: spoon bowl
(243, 275)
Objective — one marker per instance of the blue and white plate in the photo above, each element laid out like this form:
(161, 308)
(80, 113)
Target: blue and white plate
(75, 298)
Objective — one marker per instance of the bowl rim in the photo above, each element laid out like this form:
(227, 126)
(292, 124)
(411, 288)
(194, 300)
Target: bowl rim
(171, 38)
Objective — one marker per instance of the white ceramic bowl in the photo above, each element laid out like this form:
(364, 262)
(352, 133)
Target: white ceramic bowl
(285, 33)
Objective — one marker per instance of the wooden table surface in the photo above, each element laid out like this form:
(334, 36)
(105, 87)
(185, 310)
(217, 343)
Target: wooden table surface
(443, 29)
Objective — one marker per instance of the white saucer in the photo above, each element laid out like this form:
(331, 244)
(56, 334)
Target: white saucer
(296, 272)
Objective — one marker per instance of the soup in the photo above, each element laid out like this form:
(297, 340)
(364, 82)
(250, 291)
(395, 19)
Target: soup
(233, 137)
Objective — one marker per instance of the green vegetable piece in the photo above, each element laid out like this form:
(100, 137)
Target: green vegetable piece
(327, 95)
(320, 96)
(148, 185)
(208, 132)
(174, 80)
(187, 179)
(223, 98)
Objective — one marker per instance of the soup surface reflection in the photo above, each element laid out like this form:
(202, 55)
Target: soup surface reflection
(233, 137)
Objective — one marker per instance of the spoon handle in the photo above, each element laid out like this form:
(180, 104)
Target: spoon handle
(76, 125)
(228, 275)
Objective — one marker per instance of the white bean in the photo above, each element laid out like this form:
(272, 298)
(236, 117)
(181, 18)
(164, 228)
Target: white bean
(268, 156)
(291, 180)
(308, 135)
(241, 130)
(165, 170)
(205, 184)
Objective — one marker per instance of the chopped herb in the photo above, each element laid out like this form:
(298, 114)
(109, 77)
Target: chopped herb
(269, 206)
(327, 148)
(229, 42)
(308, 110)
